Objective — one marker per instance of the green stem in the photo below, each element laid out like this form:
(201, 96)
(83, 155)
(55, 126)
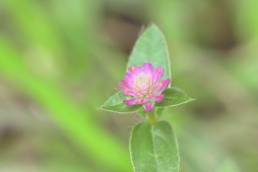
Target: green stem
(152, 117)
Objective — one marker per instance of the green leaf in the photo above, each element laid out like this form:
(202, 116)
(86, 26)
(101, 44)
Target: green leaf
(153, 148)
(151, 47)
(115, 104)
(174, 97)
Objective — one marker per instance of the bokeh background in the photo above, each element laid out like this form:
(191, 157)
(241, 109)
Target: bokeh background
(60, 60)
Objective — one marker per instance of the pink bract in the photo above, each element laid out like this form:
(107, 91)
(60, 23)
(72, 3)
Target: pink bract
(144, 86)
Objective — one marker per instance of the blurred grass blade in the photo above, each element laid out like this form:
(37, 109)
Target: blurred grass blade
(77, 20)
(77, 125)
(154, 148)
(34, 23)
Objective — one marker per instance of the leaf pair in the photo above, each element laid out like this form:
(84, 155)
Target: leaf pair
(172, 97)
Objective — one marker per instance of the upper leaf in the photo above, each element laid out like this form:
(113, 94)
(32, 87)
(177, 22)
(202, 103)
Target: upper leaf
(151, 47)
(153, 148)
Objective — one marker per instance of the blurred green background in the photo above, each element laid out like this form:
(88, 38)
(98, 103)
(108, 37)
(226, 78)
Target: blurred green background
(60, 60)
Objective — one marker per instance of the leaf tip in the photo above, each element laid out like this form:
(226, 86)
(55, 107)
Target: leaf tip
(154, 27)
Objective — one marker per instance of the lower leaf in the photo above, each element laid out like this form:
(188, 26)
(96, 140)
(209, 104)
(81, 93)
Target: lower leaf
(153, 148)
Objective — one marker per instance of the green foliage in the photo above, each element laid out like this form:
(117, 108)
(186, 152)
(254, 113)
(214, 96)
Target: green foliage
(154, 148)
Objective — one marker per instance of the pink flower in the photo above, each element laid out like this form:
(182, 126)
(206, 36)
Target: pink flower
(144, 86)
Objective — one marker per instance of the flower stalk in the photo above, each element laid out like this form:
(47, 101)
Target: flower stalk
(152, 118)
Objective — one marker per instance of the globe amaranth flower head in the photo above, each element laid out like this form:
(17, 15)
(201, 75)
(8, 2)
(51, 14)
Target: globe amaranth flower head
(144, 86)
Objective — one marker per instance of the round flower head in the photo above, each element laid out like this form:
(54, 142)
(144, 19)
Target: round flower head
(144, 86)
